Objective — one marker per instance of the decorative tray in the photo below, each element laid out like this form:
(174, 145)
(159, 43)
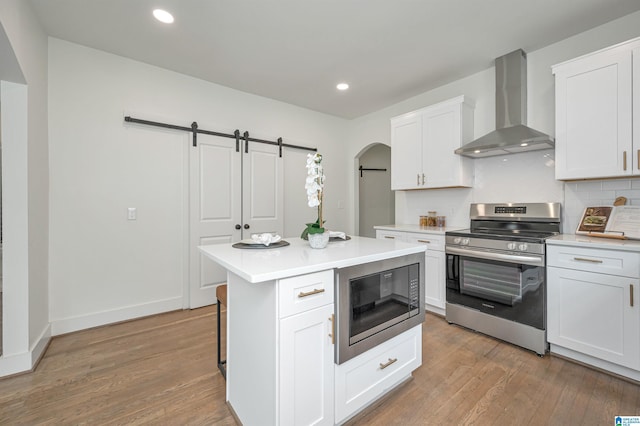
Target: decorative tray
(253, 245)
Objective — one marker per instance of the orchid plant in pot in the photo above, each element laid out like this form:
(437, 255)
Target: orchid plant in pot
(314, 185)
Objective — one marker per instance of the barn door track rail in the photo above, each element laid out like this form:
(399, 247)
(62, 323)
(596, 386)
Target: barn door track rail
(236, 135)
(364, 169)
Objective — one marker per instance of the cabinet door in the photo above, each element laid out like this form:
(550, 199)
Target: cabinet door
(636, 111)
(441, 137)
(306, 368)
(406, 152)
(593, 116)
(596, 314)
(435, 284)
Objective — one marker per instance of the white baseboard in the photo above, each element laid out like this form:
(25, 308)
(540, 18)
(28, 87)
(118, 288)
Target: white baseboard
(37, 350)
(25, 361)
(15, 363)
(599, 364)
(68, 325)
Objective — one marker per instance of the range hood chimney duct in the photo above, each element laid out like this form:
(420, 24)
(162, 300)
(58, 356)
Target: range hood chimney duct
(511, 134)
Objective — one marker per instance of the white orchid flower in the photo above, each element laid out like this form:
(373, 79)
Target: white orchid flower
(314, 183)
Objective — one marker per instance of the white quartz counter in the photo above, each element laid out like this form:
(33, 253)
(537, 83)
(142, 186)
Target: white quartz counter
(259, 265)
(594, 242)
(418, 229)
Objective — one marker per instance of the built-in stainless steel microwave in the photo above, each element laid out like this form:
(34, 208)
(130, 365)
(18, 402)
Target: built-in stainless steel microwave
(377, 301)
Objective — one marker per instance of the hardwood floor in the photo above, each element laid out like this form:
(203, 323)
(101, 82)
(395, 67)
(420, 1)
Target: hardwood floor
(162, 370)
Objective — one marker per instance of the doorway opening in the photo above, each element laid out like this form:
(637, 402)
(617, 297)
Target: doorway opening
(376, 200)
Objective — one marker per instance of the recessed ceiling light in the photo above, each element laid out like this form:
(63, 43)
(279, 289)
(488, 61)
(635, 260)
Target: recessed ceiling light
(524, 144)
(163, 16)
(477, 151)
(342, 86)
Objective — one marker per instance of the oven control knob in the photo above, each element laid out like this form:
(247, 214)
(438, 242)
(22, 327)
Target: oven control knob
(522, 247)
(511, 246)
(465, 242)
(457, 240)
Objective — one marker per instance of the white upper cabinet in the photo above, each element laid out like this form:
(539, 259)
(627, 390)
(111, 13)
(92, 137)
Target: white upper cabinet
(595, 122)
(636, 108)
(406, 151)
(423, 144)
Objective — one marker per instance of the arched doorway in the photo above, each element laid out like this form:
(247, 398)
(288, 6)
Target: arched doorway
(376, 200)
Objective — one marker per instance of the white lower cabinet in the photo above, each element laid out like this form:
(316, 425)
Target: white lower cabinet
(306, 368)
(306, 359)
(435, 278)
(367, 377)
(593, 308)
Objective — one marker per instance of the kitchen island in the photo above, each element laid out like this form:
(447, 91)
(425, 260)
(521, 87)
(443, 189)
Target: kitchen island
(280, 332)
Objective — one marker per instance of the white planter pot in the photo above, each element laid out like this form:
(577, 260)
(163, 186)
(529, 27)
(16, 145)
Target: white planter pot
(319, 241)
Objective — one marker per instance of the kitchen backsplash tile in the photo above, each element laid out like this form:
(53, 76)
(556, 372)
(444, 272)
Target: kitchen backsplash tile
(579, 195)
(616, 184)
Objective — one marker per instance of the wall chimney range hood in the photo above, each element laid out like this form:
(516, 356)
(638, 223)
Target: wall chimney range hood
(511, 134)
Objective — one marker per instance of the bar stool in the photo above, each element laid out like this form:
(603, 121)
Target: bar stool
(221, 295)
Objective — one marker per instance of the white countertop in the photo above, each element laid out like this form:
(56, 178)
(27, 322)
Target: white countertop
(259, 265)
(419, 229)
(594, 242)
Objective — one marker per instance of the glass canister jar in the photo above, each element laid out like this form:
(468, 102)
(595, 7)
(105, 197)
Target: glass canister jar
(423, 220)
(431, 219)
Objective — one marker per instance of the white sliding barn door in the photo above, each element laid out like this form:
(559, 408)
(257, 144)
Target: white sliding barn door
(232, 195)
(262, 186)
(215, 210)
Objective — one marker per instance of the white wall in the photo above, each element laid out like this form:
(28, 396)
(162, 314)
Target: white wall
(522, 177)
(26, 214)
(105, 268)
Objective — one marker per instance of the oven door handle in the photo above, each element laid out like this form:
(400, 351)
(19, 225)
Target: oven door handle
(509, 258)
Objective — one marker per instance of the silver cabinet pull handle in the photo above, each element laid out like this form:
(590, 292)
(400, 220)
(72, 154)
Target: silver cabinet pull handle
(631, 295)
(424, 241)
(388, 363)
(423, 178)
(418, 179)
(390, 237)
(624, 161)
(583, 259)
(638, 162)
(309, 293)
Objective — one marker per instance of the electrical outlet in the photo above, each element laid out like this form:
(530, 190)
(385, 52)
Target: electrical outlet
(132, 213)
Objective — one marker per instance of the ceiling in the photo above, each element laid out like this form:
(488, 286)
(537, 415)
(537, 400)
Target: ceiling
(296, 51)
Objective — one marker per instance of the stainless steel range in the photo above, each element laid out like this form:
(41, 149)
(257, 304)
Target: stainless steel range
(496, 282)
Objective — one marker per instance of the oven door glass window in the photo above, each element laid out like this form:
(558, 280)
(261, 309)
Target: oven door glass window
(505, 283)
(381, 300)
(512, 291)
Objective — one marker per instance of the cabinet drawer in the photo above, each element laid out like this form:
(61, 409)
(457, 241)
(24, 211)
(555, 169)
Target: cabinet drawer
(366, 377)
(390, 235)
(432, 241)
(305, 292)
(611, 262)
